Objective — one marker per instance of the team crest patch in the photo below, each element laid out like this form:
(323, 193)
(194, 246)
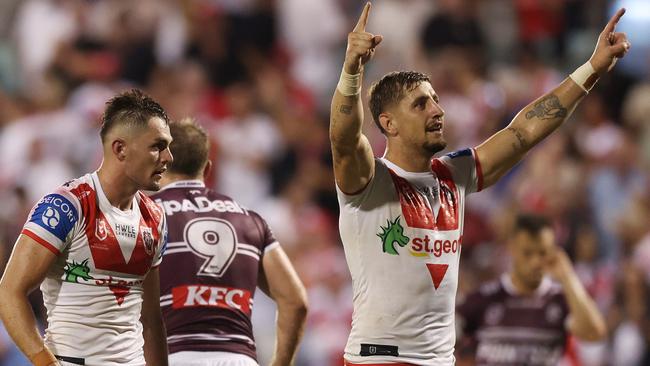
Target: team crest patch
(391, 234)
(101, 232)
(75, 271)
(147, 239)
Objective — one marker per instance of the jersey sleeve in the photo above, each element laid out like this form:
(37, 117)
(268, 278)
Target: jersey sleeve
(465, 169)
(268, 241)
(53, 219)
(356, 199)
(162, 247)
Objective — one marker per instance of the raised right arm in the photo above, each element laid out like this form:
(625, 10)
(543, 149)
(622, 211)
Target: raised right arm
(25, 270)
(353, 158)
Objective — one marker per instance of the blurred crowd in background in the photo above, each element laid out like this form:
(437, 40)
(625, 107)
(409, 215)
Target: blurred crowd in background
(259, 75)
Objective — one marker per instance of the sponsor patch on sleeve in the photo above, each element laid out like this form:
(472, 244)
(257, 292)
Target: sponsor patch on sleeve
(55, 214)
(459, 153)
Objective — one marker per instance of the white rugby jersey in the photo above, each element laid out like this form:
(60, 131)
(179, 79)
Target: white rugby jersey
(93, 291)
(402, 238)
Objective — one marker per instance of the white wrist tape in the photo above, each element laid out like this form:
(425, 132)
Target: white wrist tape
(585, 76)
(349, 85)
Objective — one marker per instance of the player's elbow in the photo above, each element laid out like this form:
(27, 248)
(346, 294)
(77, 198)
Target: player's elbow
(8, 296)
(11, 289)
(301, 305)
(296, 304)
(597, 331)
(3, 293)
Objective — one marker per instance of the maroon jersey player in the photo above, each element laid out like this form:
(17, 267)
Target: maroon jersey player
(218, 253)
(524, 318)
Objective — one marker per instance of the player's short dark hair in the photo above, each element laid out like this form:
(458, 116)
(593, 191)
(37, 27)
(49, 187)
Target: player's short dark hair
(390, 89)
(132, 107)
(532, 224)
(190, 147)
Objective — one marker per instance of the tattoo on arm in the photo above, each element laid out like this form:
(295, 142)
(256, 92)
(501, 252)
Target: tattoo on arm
(345, 109)
(548, 107)
(520, 138)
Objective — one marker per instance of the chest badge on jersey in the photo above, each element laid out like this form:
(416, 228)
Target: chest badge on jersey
(101, 232)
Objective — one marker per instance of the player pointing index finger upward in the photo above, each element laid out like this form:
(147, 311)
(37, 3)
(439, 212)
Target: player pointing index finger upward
(402, 215)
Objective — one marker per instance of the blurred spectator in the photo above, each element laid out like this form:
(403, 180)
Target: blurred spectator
(311, 51)
(247, 142)
(542, 25)
(611, 188)
(453, 25)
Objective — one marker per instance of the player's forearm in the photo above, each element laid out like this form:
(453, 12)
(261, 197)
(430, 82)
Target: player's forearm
(290, 326)
(543, 116)
(346, 117)
(588, 322)
(155, 342)
(346, 120)
(18, 318)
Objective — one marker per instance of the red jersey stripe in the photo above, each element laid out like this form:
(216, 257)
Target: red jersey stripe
(41, 241)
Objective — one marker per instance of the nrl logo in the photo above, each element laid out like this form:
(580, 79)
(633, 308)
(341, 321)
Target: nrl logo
(391, 234)
(147, 238)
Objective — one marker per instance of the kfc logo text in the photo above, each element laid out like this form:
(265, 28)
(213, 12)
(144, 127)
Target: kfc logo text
(212, 296)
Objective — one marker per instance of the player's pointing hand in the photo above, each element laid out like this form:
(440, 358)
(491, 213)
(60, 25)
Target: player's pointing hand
(611, 46)
(361, 44)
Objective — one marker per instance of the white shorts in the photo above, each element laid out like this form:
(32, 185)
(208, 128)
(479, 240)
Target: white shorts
(192, 358)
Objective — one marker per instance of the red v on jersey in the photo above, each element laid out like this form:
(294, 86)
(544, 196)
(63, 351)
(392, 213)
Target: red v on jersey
(437, 272)
(448, 214)
(104, 245)
(417, 213)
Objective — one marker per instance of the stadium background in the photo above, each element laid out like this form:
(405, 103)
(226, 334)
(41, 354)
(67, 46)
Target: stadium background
(259, 75)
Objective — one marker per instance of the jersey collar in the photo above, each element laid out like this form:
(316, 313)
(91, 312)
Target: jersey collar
(195, 183)
(509, 287)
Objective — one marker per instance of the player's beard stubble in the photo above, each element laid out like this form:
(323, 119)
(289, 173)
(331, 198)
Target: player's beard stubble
(434, 147)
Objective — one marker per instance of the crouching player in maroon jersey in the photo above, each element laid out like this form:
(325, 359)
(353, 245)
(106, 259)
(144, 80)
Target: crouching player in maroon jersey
(218, 253)
(523, 318)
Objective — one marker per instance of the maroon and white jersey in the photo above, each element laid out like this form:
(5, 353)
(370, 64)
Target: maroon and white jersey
(93, 291)
(511, 329)
(211, 270)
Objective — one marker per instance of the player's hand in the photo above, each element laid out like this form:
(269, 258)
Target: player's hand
(558, 264)
(611, 46)
(361, 44)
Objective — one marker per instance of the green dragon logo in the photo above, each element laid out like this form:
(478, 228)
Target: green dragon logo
(393, 232)
(75, 270)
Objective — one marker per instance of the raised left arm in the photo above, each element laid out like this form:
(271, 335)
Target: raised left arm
(153, 329)
(537, 120)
